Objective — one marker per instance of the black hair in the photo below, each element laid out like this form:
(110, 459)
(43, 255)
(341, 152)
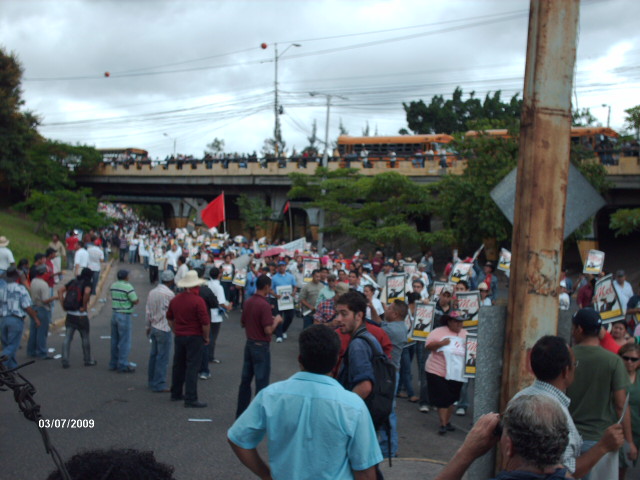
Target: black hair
(115, 464)
(214, 273)
(401, 308)
(200, 271)
(182, 259)
(549, 357)
(413, 297)
(319, 349)
(317, 270)
(465, 283)
(262, 282)
(355, 301)
(417, 280)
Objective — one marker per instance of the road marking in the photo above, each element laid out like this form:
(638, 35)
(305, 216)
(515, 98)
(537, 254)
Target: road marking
(200, 420)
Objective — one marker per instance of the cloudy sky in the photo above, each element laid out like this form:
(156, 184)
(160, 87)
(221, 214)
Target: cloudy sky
(190, 71)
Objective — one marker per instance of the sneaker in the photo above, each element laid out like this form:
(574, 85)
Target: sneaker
(450, 428)
(284, 335)
(461, 412)
(92, 363)
(127, 369)
(414, 399)
(215, 360)
(424, 408)
(279, 340)
(204, 376)
(442, 430)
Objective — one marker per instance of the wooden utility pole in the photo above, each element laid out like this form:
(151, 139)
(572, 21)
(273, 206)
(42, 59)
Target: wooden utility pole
(541, 186)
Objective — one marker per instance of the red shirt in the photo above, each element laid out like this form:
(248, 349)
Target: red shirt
(189, 313)
(72, 243)
(376, 331)
(256, 315)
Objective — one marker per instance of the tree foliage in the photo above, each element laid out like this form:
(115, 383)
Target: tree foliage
(625, 221)
(582, 118)
(253, 212)
(382, 210)
(633, 119)
(463, 201)
(17, 128)
(216, 146)
(460, 115)
(64, 210)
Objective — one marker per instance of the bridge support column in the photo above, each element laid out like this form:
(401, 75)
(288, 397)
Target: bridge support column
(180, 214)
(314, 217)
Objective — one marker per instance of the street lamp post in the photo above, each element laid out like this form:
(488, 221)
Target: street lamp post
(277, 135)
(174, 143)
(325, 163)
(608, 113)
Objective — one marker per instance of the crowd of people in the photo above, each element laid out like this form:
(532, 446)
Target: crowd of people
(580, 415)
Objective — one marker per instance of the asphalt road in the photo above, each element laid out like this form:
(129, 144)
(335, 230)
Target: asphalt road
(127, 414)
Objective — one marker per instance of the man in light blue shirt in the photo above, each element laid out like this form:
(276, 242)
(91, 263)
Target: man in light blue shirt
(309, 412)
(283, 279)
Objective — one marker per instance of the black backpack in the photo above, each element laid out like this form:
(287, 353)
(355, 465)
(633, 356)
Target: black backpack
(73, 296)
(380, 400)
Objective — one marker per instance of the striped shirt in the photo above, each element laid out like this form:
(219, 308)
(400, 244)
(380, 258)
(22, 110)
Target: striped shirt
(157, 306)
(575, 440)
(122, 296)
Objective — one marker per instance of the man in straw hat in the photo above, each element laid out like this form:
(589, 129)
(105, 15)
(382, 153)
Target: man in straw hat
(189, 320)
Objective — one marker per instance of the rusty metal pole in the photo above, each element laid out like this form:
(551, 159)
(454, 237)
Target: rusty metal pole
(541, 186)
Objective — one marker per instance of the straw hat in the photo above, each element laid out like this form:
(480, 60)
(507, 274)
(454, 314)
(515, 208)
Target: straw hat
(3, 241)
(191, 280)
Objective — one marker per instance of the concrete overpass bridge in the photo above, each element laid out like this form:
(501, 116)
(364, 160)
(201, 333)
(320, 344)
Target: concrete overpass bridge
(181, 190)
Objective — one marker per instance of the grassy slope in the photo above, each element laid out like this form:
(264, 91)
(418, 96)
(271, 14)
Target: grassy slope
(19, 231)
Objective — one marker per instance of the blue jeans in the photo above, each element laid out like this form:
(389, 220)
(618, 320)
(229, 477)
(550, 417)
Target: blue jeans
(406, 378)
(159, 358)
(120, 340)
(257, 362)
(307, 321)
(10, 333)
(132, 256)
(287, 318)
(421, 357)
(393, 421)
(208, 351)
(95, 276)
(37, 345)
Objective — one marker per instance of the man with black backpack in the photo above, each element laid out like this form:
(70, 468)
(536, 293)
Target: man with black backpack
(74, 298)
(365, 369)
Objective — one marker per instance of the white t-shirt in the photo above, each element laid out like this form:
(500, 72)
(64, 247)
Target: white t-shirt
(377, 304)
(625, 292)
(218, 291)
(95, 256)
(81, 260)
(172, 257)
(6, 258)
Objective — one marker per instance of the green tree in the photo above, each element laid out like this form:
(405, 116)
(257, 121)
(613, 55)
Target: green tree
(625, 221)
(311, 149)
(459, 115)
(64, 210)
(381, 210)
(253, 212)
(18, 130)
(633, 119)
(463, 202)
(216, 146)
(582, 118)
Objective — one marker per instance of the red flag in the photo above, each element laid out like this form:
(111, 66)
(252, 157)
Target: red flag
(286, 207)
(213, 214)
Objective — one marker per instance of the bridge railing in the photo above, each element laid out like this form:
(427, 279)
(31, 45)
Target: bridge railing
(412, 168)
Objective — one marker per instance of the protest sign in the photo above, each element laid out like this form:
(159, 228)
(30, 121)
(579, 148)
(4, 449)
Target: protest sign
(606, 301)
(470, 355)
(437, 288)
(285, 301)
(594, 263)
(410, 268)
(460, 271)
(395, 288)
(504, 263)
(240, 278)
(298, 244)
(227, 272)
(308, 266)
(469, 303)
(423, 321)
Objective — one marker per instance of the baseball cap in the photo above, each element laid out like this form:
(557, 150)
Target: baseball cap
(588, 319)
(458, 315)
(563, 284)
(122, 274)
(447, 289)
(620, 273)
(167, 276)
(282, 262)
(483, 286)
